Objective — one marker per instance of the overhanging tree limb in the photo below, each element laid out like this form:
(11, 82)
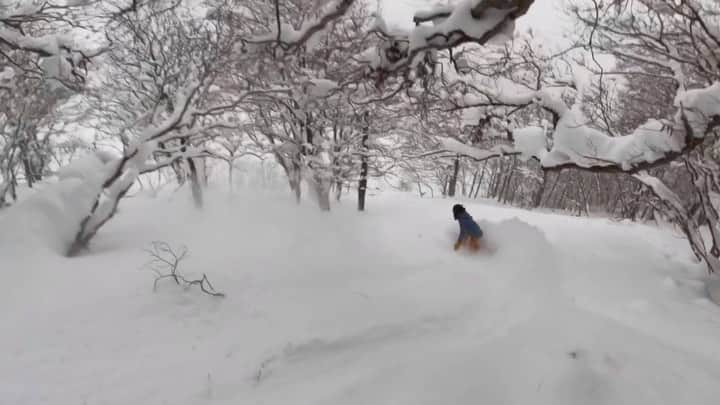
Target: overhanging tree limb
(639, 151)
(470, 21)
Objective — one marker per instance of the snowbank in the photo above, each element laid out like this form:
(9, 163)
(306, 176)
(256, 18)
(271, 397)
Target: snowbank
(50, 218)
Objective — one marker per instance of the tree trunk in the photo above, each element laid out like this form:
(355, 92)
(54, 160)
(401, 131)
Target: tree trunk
(560, 201)
(205, 176)
(496, 179)
(472, 184)
(4, 187)
(480, 180)
(27, 167)
(179, 172)
(104, 207)
(13, 185)
(296, 191)
(87, 232)
(454, 178)
(195, 184)
(231, 184)
(362, 184)
(701, 180)
(552, 189)
(298, 181)
(295, 179)
(322, 192)
(503, 194)
(541, 189)
(513, 192)
(38, 168)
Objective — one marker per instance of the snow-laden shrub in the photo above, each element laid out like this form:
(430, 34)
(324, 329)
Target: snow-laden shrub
(50, 218)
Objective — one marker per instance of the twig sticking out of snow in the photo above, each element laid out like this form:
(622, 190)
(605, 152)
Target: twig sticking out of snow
(164, 262)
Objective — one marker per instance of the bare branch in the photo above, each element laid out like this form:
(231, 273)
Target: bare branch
(165, 262)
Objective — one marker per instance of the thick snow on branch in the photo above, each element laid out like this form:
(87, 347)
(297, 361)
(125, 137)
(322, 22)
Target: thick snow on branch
(502, 92)
(699, 107)
(124, 172)
(531, 142)
(182, 101)
(433, 14)
(661, 190)
(46, 45)
(189, 153)
(61, 55)
(455, 146)
(14, 9)
(493, 25)
(576, 143)
(290, 37)
(477, 21)
(319, 88)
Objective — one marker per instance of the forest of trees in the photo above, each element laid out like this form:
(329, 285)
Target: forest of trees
(461, 105)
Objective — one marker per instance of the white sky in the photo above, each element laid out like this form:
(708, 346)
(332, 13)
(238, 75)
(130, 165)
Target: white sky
(545, 17)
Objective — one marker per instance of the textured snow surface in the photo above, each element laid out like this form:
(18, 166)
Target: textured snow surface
(349, 308)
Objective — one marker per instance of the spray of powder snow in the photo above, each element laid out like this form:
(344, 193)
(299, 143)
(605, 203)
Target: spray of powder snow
(50, 218)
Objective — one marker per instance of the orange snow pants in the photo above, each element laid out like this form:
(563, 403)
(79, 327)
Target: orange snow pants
(471, 242)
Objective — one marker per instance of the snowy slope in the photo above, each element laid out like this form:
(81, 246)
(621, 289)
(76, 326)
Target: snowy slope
(348, 308)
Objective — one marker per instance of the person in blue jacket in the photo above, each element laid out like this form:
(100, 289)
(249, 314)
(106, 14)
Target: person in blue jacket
(470, 232)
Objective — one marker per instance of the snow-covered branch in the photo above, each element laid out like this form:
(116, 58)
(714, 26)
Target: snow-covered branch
(679, 215)
(436, 13)
(165, 262)
(182, 103)
(46, 45)
(458, 148)
(62, 57)
(660, 190)
(288, 37)
(470, 21)
(125, 171)
(576, 144)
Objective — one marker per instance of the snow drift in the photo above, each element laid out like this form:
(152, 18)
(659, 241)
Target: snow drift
(360, 308)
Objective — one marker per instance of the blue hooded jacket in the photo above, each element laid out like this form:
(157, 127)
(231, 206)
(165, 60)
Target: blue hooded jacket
(468, 226)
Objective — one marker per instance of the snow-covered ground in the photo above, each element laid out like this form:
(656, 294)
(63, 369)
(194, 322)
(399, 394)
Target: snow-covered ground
(355, 308)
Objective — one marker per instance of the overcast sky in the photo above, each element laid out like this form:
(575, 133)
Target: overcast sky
(544, 17)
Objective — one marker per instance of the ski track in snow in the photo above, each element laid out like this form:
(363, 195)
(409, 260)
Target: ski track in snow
(360, 308)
